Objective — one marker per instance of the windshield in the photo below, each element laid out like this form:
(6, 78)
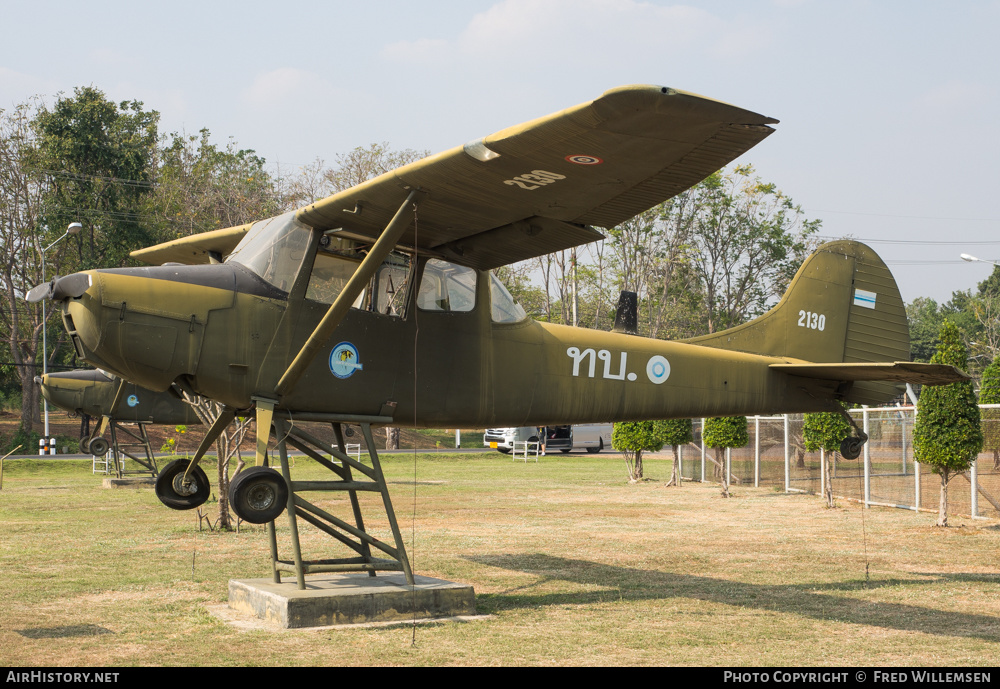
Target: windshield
(273, 249)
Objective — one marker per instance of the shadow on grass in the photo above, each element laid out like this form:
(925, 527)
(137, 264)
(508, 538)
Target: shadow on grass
(62, 632)
(621, 583)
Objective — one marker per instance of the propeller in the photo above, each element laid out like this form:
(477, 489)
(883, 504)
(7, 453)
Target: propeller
(60, 288)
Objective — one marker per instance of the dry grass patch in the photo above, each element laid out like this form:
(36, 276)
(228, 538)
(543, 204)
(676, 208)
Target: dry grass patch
(576, 567)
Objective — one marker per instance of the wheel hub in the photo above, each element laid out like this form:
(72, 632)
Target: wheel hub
(184, 487)
(261, 496)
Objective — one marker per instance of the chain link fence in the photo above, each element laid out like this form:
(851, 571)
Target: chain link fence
(886, 474)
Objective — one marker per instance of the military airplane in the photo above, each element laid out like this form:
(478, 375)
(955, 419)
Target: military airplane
(103, 396)
(379, 301)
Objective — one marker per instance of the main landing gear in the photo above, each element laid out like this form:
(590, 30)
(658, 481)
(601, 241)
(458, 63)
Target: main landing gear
(180, 493)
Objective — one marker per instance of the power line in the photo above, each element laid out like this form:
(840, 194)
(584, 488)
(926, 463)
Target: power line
(905, 217)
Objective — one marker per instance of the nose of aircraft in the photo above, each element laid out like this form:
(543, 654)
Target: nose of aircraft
(142, 324)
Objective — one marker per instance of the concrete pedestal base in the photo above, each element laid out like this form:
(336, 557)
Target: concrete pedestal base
(350, 599)
(139, 482)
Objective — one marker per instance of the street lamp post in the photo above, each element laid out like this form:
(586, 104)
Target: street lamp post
(73, 228)
(972, 259)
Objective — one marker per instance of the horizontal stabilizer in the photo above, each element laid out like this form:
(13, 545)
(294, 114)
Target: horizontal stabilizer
(900, 371)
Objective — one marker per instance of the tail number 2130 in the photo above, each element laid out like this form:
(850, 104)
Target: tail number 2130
(814, 321)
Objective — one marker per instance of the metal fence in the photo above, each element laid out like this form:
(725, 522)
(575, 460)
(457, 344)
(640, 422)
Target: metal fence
(886, 474)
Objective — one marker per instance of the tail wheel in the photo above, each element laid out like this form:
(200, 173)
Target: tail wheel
(98, 447)
(258, 495)
(850, 448)
(179, 493)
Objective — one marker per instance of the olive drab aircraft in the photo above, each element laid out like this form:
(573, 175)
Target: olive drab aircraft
(102, 395)
(379, 301)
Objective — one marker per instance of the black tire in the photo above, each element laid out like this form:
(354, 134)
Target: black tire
(175, 493)
(258, 495)
(84, 447)
(565, 452)
(505, 450)
(850, 448)
(98, 447)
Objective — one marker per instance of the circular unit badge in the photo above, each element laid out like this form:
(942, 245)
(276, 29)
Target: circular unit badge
(657, 369)
(132, 401)
(344, 360)
(584, 160)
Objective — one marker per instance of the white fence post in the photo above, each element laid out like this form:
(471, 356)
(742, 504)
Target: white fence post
(756, 452)
(973, 475)
(788, 479)
(703, 450)
(867, 455)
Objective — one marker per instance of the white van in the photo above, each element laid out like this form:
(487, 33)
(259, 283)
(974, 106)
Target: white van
(592, 437)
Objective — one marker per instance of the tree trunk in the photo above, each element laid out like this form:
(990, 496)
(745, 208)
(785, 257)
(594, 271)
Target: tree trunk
(29, 407)
(675, 479)
(392, 438)
(829, 459)
(943, 505)
(225, 521)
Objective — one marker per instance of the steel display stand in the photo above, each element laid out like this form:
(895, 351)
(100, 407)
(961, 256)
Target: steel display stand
(353, 535)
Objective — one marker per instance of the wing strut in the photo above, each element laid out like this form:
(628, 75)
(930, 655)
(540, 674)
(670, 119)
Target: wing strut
(338, 309)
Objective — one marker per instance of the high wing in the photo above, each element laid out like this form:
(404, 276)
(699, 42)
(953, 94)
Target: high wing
(538, 187)
(196, 249)
(900, 371)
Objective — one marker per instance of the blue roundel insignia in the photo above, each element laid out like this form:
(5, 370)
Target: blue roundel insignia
(344, 360)
(658, 369)
(132, 401)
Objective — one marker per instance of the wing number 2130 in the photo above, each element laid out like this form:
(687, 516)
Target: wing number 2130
(815, 321)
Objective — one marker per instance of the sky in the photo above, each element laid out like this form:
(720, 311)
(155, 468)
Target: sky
(887, 109)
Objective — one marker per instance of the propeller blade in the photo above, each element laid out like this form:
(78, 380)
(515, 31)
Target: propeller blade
(71, 286)
(39, 292)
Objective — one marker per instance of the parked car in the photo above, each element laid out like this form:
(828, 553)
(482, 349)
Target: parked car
(590, 437)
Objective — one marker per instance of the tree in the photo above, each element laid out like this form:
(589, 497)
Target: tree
(22, 235)
(989, 393)
(947, 435)
(677, 432)
(632, 438)
(748, 241)
(824, 431)
(722, 434)
(201, 187)
(99, 160)
(925, 323)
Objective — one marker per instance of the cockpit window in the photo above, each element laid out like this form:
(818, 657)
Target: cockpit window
(447, 287)
(504, 308)
(273, 249)
(336, 262)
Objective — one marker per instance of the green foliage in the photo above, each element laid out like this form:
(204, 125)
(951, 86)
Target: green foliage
(727, 431)
(824, 431)
(203, 187)
(638, 436)
(677, 431)
(100, 160)
(948, 435)
(989, 393)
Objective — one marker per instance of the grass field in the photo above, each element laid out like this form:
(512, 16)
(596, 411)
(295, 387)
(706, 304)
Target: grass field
(572, 565)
